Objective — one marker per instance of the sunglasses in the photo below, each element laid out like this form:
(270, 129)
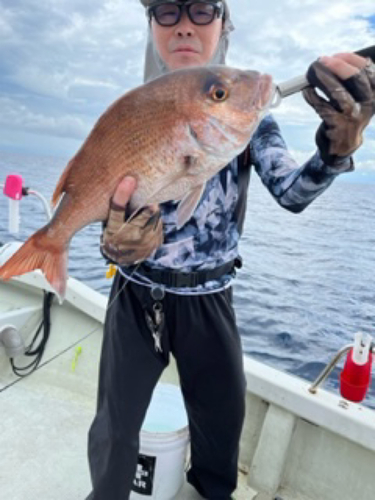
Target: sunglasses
(199, 13)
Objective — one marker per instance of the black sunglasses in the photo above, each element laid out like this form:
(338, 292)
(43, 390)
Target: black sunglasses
(200, 13)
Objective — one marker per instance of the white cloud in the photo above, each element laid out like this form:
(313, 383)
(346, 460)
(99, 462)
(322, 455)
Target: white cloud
(295, 111)
(62, 62)
(5, 26)
(51, 83)
(18, 116)
(367, 166)
(283, 37)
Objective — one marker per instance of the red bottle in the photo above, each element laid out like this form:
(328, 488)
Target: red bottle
(356, 376)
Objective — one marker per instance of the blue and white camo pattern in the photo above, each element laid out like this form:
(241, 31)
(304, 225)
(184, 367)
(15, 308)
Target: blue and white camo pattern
(210, 238)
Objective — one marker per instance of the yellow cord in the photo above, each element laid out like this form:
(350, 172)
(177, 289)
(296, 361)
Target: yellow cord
(111, 272)
(78, 351)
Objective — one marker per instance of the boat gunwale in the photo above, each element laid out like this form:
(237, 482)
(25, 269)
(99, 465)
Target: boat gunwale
(352, 421)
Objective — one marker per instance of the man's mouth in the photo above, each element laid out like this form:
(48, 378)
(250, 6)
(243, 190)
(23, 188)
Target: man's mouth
(185, 48)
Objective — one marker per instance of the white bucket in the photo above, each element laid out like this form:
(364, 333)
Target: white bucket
(163, 446)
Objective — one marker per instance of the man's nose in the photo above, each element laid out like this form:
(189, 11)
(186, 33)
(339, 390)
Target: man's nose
(185, 27)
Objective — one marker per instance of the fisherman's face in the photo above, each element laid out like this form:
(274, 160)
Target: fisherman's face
(186, 44)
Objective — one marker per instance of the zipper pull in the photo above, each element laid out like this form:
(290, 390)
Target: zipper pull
(156, 324)
(157, 340)
(158, 312)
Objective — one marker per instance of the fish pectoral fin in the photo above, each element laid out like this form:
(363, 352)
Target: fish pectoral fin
(188, 204)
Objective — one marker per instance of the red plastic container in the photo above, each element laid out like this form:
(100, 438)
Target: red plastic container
(355, 379)
(13, 187)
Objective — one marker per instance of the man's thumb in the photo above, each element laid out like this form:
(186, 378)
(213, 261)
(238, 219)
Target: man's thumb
(124, 191)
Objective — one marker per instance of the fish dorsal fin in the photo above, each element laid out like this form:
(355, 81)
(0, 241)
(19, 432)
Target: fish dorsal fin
(188, 204)
(60, 188)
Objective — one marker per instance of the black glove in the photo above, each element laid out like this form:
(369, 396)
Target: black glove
(349, 109)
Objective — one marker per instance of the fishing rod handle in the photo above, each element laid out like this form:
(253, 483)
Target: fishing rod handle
(299, 83)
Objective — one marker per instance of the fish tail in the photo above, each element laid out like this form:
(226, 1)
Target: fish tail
(38, 252)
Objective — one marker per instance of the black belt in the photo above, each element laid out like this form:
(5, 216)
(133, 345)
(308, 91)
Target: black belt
(178, 279)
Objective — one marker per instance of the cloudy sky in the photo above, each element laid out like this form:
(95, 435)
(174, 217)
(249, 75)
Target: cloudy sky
(62, 62)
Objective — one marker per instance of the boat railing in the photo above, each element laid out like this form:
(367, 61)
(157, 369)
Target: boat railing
(355, 378)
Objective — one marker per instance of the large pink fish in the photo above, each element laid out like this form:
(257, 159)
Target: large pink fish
(171, 134)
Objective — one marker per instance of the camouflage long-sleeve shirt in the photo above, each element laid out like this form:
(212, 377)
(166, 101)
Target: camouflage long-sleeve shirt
(210, 238)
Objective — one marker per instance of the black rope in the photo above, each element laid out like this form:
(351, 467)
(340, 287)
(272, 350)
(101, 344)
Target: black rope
(33, 350)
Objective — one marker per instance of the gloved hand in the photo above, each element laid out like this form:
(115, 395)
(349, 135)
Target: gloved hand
(348, 81)
(130, 243)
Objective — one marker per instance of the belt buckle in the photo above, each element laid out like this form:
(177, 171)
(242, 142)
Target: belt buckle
(186, 280)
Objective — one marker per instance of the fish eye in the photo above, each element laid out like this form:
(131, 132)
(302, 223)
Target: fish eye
(219, 94)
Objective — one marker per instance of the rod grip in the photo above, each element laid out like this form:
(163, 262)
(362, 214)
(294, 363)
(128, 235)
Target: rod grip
(367, 52)
(299, 83)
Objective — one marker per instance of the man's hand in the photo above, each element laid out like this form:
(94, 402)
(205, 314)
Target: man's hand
(127, 243)
(348, 81)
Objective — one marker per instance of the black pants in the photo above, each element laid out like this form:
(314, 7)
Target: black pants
(201, 333)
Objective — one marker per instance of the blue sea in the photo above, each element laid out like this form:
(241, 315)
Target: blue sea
(307, 284)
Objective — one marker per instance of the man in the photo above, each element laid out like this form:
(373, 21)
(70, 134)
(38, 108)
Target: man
(178, 299)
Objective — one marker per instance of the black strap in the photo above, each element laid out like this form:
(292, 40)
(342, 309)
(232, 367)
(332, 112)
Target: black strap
(244, 173)
(178, 279)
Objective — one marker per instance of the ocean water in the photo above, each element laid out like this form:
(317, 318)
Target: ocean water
(307, 284)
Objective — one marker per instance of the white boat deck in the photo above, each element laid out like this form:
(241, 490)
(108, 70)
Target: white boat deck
(45, 419)
(295, 446)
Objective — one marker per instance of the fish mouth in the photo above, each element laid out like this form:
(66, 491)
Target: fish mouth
(265, 93)
(269, 88)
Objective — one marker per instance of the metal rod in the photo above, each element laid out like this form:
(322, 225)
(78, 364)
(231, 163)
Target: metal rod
(327, 370)
(299, 83)
(46, 205)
